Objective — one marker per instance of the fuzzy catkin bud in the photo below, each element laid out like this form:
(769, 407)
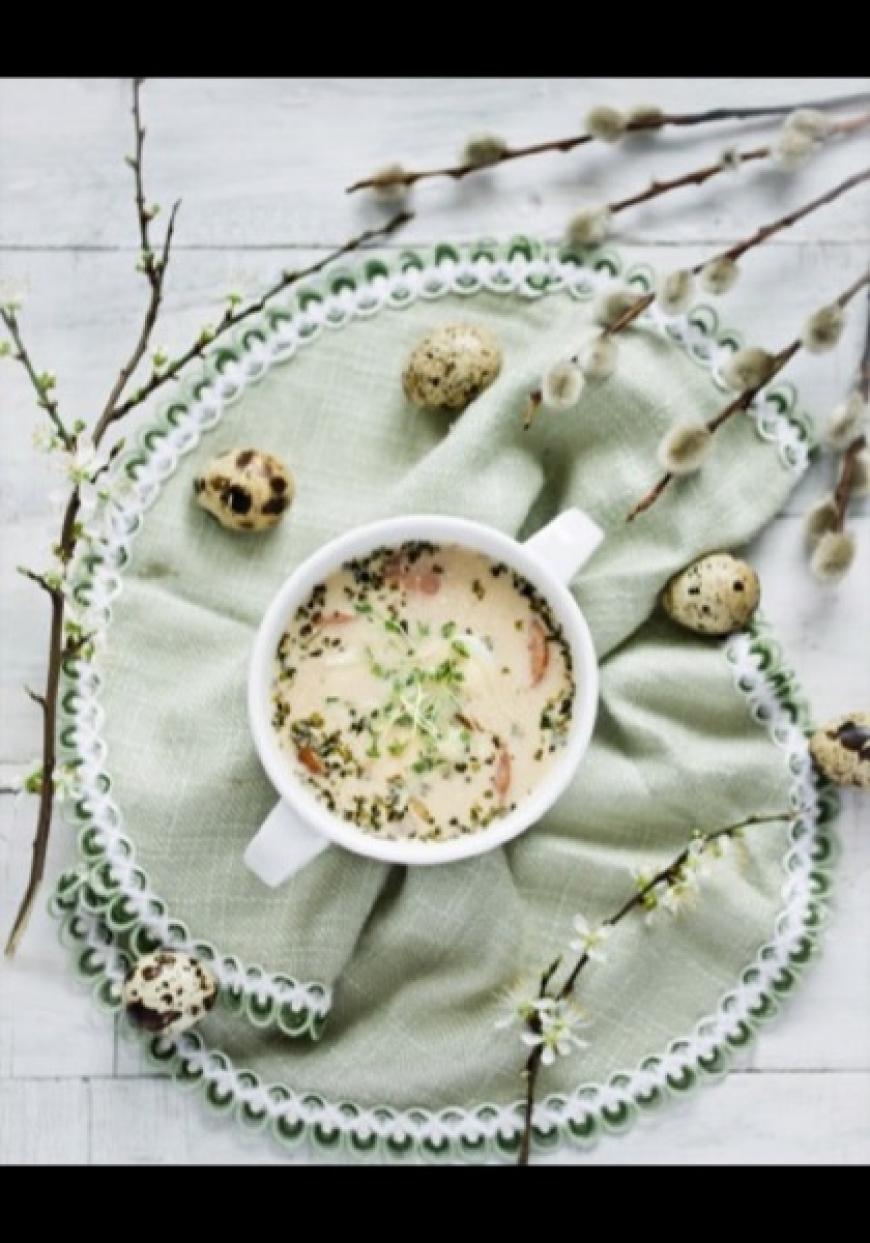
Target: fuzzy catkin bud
(730, 160)
(859, 484)
(598, 359)
(589, 226)
(748, 368)
(481, 150)
(834, 554)
(823, 329)
(387, 190)
(719, 275)
(675, 291)
(562, 386)
(809, 121)
(792, 148)
(685, 447)
(846, 422)
(605, 123)
(820, 519)
(611, 306)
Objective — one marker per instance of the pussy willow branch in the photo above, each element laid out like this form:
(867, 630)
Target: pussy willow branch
(745, 399)
(458, 171)
(758, 238)
(843, 490)
(668, 873)
(154, 267)
(698, 176)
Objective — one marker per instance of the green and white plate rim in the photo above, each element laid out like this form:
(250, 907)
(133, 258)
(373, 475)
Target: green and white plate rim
(107, 910)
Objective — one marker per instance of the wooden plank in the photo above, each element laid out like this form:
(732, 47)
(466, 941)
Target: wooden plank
(44, 1122)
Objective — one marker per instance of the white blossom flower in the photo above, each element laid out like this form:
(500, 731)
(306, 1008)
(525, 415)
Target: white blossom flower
(645, 114)
(385, 188)
(730, 159)
(675, 290)
(833, 556)
(562, 386)
(13, 292)
(792, 148)
(599, 357)
(615, 303)
(681, 893)
(823, 329)
(45, 439)
(699, 857)
(859, 484)
(719, 847)
(847, 421)
(558, 1034)
(64, 781)
(589, 226)
(590, 938)
(719, 275)
(820, 519)
(685, 447)
(748, 368)
(605, 123)
(521, 1001)
(809, 121)
(481, 150)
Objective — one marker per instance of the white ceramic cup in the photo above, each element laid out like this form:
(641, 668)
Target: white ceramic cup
(300, 827)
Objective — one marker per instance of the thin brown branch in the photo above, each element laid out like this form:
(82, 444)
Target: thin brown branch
(791, 218)
(457, 171)
(37, 380)
(668, 873)
(745, 399)
(696, 177)
(864, 365)
(37, 698)
(844, 483)
(232, 317)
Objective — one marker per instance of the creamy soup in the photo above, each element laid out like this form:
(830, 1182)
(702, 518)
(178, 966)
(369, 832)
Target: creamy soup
(423, 691)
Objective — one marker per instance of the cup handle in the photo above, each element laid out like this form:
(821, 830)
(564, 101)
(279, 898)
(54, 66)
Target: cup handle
(566, 543)
(282, 846)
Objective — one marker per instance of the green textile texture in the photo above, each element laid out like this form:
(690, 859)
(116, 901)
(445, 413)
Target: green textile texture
(417, 956)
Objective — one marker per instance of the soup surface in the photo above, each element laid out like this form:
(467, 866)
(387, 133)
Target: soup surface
(422, 691)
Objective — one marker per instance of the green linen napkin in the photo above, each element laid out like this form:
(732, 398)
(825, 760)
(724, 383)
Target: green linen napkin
(416, 956)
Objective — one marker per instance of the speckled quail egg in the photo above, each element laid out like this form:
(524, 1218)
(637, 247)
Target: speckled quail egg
(716, 594)
(245, 489)
(451, 366)
(841, 749)
(168, 991)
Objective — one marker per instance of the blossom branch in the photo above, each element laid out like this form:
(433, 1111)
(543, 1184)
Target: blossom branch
(232, 318)
(770, 366)
(154, 266)
(668, 876)
(653, 120)
(42, 382)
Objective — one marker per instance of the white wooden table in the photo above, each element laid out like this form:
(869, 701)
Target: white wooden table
(260, 166)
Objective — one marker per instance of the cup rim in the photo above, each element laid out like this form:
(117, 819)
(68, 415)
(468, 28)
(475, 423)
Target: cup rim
(392, 532)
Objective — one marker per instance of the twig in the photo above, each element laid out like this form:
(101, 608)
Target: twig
(745, 399)
(566, 144)
(533, 1061)
(232, 318)
(844, 483)
(48, 404)
(154, 268)
(458, 171)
